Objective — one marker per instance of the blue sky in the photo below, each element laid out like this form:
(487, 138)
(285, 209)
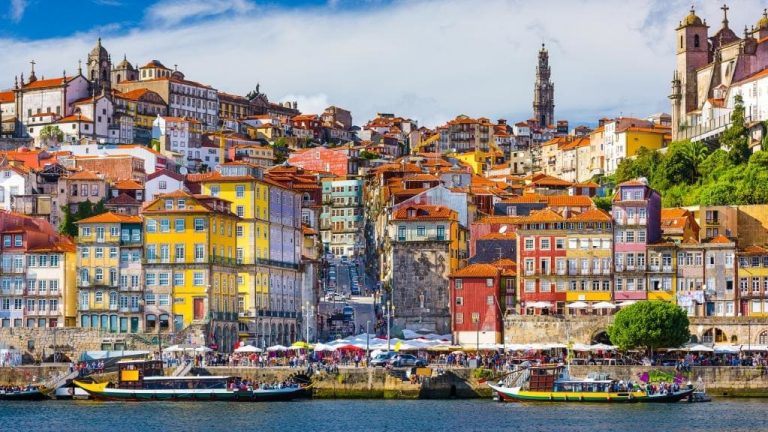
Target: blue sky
(426, 59)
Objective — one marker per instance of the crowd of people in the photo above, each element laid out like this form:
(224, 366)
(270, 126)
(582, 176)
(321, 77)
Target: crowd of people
(15, 389)
(251, 385)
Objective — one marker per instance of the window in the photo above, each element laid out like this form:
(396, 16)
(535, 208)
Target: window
(421, 231)
(198, 278)
(459, 301)
(240, 210)
(179, 225)
(199, 252)
(17, 240)
(162, 185)
(559, 244)
(199, 224)
(163, 279)
(99, 275)
(150, 279)
(528, 244)
(179, 252)
(460, 319)
(240, 191)
(489, 300)
(163, 300)
(151, 225)
(165, 225)
(99, 297)
(544, 243)
(239, 231)
(475, 317)
(630, 236)
(530, 286)
(459, 284)
(178, 279)
(99, 252)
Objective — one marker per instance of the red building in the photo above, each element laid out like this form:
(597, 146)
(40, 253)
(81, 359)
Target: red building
(541, 240)
(476, 300)
(339, 161)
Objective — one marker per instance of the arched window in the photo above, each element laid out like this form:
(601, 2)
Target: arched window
(763, 338)
(714, 335)
(681, 42)
(118, 77)
(695, 41)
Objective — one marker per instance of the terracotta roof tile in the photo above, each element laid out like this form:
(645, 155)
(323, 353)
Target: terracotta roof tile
(85, 175)
(721, 239)
(129, 184)
(423, 212)
(110, 217)
(477, 270)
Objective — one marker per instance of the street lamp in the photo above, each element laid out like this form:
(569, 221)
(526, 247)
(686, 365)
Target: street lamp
(307, 311)
(390, 310)
(367, 342)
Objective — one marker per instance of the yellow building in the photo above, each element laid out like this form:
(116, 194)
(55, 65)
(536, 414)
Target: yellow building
(190, 269)
(637, 137)
(109, 248)
(753, 281)
(662, 271)
(239, 184)
(588, 256)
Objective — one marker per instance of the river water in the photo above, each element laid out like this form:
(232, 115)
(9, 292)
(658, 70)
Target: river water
(382, 415)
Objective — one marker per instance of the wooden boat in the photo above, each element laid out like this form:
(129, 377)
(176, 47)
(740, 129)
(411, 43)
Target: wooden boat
(145, 381)
(27, 394)
(554, 384)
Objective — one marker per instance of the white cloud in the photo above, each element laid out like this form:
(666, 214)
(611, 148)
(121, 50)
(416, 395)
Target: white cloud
(17, 9)
(429, 60)
(309, 104)
(173, 12)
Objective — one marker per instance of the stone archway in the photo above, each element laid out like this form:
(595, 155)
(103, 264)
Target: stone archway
(600, 337)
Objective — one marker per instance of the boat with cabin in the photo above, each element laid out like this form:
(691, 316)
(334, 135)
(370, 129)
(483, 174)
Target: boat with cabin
(28, 393)
(554, 384)
(146, 381)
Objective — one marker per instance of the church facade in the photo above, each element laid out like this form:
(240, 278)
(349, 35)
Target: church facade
(712, 71)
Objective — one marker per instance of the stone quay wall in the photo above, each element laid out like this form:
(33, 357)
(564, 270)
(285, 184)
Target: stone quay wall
(584, 329)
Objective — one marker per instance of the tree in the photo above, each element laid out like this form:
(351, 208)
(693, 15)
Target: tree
(649, 325)
(736, 136)
(67, 226)
(365, 154)
(696, 153)
(51, 133)
(603, 203)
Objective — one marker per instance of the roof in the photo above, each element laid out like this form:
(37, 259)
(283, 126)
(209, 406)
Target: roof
(75, 118)
(569, 201)
(754, 250)
(721, 239)
(45, 83)
(498, 236)
(85, 175)
(423, 212)
(543, 215)
(165, 172)
(593, 214)
(477, 270)
(633, 183)
(7, 97)
(110, 217)
(123, 199)
(128, 184)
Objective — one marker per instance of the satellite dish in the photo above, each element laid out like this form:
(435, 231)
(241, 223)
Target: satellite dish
(503, 229)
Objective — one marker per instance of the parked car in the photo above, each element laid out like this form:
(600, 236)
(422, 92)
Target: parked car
(403, 360)
(382, 359)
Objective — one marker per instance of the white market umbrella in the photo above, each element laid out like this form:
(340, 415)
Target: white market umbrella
(604, 305)
(540, 305)
(700, 348)
(627, 303)
(580, 347)
(323, 347)
(577, 305)
(727, 349)
(202, 349)
(275, 348)
(602, 347)
(172, 349)
(248, 349)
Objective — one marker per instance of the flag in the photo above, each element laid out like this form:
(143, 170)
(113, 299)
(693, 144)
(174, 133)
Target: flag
(397, 346)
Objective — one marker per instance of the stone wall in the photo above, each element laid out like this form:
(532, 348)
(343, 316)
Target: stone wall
(38, 343)
(532, 329)
(421, 269)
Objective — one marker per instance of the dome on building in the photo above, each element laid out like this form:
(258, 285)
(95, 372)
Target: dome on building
(125, 64)
(691, 19)
(762, 24)
(98, 50)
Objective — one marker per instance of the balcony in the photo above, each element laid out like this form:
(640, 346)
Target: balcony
(561, 272)
(606, 271)
(654, 268)
(712, 221)
(666, 269)
(529, 272)
(584, 272)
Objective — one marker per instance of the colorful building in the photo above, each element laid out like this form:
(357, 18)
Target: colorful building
(342, 217)
(190, 269)
(662, 271)
(109, 273)
(340, 161)
(589, 256)
(476, 299)
(637, 217)
(37, 274)
(753, 281)
(241, 185)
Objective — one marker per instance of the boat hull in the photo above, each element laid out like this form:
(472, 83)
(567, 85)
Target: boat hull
(34, 395)
(100, 391)
(518, 395)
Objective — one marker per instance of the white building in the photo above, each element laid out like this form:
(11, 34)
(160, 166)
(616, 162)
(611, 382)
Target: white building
(14, 180)
(162, 182)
